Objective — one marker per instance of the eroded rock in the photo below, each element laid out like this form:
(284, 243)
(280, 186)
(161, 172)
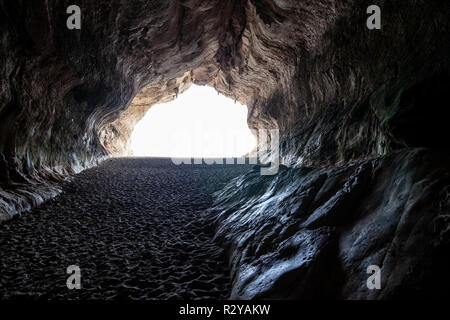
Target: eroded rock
(312, 233)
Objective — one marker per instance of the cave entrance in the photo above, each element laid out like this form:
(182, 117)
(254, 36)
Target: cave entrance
(200, 123)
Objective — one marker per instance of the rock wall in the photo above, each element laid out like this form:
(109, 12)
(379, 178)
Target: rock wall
(312, 233)
(340, 94)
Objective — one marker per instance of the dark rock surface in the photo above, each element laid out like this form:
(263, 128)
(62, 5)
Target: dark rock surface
(137, 228)
(312, 233)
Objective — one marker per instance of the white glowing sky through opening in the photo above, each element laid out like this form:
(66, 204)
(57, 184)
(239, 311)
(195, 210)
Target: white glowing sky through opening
(199, 123)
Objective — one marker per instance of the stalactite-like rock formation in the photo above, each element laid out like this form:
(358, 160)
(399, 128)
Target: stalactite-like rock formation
(342, 96)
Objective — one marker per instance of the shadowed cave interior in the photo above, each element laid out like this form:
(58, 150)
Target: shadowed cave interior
(362, 115)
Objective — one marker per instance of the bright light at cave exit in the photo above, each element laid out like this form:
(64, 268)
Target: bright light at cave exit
(198, 124)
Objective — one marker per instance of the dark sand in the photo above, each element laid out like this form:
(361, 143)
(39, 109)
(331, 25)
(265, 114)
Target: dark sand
(137, 228)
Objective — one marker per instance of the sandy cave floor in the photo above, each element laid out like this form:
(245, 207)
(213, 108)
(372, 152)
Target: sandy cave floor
(137, 227)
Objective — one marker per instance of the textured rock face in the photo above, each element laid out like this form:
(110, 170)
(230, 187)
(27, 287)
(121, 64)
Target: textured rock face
(340, 95)
(312, 233)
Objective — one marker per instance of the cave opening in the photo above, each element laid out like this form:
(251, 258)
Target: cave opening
(199, 123)
(360, 117)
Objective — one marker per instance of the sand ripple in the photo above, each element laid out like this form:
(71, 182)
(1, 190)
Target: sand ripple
(136, 227)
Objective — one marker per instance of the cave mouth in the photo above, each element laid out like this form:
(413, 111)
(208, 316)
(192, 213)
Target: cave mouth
(364, 177)
(199, 123)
